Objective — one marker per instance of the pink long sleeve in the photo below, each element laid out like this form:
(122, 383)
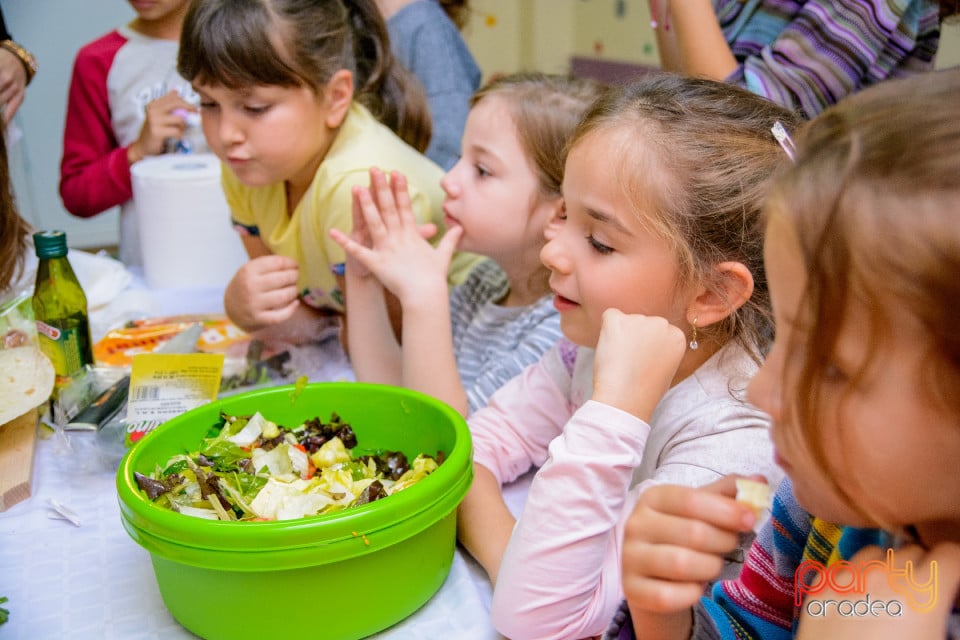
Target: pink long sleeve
(94, 171)
(511, 434)
(560, 575)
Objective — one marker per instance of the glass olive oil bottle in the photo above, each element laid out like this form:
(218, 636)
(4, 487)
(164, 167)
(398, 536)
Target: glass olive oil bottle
(60, 309)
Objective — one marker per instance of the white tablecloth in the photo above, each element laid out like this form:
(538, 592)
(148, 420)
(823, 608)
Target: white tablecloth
(95, 582)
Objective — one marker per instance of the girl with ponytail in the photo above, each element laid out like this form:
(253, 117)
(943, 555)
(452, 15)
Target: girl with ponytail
(299, 99)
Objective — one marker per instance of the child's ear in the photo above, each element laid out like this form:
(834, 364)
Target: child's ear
(734, 286)
(338, 95)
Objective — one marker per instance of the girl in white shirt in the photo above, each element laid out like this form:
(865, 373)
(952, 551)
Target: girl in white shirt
(656, 269)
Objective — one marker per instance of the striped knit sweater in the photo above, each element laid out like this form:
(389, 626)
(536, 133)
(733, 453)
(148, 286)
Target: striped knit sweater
(808, 54)
(493, 343)
(759, 604)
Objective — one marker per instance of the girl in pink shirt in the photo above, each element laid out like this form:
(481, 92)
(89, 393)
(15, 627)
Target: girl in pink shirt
(656, 269)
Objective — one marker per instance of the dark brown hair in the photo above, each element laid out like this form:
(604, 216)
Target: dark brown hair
(875, 202)
(706, 159)
(457, 10)
(13, 229)
(239, 43)
(949, 8)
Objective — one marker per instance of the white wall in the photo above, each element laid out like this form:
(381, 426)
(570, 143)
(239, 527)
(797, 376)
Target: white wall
(53, 30)
(948, 55)
(505, 35)
(515, 35)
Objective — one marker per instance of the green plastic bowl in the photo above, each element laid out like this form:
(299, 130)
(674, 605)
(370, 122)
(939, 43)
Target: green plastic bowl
(338, 576)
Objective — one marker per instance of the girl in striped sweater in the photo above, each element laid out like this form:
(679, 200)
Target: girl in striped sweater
(803, 54)
(862, 255)
(462, 345)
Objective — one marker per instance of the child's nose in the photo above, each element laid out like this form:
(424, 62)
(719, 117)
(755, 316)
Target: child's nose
(449, 182)
(229, 131)
(552, 255)
(765, 389)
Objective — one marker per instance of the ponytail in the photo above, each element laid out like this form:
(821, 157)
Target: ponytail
(391, 93)
(457, 10)
(304, 42)
(949, 9)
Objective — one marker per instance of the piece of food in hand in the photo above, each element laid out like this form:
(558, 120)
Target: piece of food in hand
(26, 381)
(756, 495)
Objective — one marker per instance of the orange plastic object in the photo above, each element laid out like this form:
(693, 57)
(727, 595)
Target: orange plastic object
(118, 346)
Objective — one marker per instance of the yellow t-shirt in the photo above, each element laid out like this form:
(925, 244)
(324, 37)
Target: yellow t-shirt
(361, 143)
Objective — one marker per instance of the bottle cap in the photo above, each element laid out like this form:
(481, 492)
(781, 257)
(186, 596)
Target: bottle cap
(50, 244)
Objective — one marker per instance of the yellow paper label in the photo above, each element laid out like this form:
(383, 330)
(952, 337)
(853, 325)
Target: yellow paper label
(163, 385)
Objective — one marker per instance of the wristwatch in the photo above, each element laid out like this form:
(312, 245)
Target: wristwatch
(29, 62)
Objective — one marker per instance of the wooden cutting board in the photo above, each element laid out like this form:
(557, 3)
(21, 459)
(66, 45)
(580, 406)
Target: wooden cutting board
(18, 441)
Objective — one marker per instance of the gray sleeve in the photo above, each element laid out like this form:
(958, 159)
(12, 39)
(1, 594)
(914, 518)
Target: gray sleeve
(531, 343)
(428, 44)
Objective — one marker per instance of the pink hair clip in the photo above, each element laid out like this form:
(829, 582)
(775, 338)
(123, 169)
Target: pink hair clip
(780, 133)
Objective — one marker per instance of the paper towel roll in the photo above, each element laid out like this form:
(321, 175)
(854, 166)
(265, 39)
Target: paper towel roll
(186, 238)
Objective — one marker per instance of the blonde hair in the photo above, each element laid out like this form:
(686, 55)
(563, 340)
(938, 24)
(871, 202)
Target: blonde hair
(239, 43)
(875, 202)
(708, 159)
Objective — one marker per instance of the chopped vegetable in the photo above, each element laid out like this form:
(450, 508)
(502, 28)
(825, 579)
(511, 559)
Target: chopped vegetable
(251, 469)
(298, 388)
(4, 613)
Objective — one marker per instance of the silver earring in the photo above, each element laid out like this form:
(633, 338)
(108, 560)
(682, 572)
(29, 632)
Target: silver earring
(694, 345)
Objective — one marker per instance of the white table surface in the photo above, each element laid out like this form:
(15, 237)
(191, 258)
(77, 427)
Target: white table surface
(94, 581)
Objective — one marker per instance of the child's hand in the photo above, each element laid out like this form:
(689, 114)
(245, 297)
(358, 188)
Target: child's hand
(390, 244)
(359, 235)
(160, 123)
(915, 624)
(673, 545)
(13, 84)
(637, 357)
(263, 293)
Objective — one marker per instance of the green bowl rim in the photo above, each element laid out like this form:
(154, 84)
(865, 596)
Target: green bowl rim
(431, 493)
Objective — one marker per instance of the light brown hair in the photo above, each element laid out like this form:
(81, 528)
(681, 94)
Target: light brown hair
(238, 43)
(545, 110)
(13, 229)
(708, 157)
(875, 202)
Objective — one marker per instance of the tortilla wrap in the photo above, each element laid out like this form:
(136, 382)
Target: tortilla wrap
(26, 381)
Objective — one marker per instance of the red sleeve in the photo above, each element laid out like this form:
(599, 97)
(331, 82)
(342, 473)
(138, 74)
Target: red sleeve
(94, 172)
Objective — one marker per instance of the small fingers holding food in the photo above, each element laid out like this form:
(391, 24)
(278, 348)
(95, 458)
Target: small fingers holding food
(675, 542)
(164, 119)
(758, 496)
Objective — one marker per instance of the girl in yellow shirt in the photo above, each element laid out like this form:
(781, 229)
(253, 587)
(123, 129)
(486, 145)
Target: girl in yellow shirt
(296, 99)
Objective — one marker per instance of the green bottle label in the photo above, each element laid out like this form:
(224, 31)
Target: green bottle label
(63, 347)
